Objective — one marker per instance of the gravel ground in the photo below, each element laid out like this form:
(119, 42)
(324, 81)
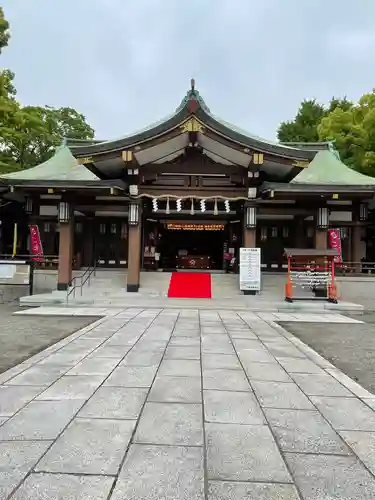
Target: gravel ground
(23, 336)
(350, 347)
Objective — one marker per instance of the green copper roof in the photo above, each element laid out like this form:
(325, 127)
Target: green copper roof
(327, 168)
(62, 166)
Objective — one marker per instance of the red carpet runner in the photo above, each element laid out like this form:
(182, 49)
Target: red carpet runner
(190, 286)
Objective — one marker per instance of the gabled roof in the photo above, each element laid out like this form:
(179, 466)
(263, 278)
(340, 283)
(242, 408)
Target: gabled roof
(62, 166)
(327, 169)
(193, 104)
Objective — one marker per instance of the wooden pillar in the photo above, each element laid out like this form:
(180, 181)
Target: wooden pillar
(321, 236)
(300, 240)
(249, 237)
(88, 244)
(356, 247)
(134, 256)
(65, 254)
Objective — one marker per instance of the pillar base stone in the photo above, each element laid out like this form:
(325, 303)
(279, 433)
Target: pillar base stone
(62, 286)
(132, 288)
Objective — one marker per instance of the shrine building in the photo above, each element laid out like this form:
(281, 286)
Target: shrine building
(183, 193)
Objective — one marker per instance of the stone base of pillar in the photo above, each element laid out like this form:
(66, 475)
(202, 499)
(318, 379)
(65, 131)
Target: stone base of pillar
(132, 288)
(62, 286)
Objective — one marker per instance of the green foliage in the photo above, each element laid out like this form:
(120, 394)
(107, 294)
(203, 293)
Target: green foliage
(304, 126)
(4, 31)
(30, 134)
(353, 130)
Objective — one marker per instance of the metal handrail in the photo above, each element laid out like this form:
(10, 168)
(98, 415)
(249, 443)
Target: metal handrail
(84, 278)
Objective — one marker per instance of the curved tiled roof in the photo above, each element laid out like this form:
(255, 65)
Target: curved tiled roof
(202, 111)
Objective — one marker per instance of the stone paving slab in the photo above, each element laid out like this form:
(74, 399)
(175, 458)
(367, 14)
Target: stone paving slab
(169, 472)
(89, 446)
(57, 487)
(188, 404)
(331, 477)
(251, 491)
(244, 453)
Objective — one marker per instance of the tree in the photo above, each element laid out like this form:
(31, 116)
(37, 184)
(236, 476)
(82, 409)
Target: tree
(37, 131)
(4, 30)
(30, 134)
(353, 130)
(304, 127)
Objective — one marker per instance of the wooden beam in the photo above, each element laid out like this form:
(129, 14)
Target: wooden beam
(226, 142)
(192, 168)
(187, 192)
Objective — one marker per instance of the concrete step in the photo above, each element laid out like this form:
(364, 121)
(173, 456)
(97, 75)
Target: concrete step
(246, 303)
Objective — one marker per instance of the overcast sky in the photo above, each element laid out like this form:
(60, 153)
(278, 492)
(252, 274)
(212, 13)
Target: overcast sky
(127, 63)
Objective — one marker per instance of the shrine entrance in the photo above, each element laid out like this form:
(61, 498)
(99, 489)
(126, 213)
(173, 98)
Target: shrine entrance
(110, 242)
(198, 245)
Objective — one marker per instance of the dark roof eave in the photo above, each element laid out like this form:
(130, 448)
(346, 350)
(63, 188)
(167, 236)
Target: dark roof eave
(314, 188)
(99, 184)
(106, 147)
(264, 146)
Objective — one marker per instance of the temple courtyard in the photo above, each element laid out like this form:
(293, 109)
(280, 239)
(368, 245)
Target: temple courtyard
(187, 404)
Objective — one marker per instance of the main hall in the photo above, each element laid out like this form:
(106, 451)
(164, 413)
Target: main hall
(185, 193)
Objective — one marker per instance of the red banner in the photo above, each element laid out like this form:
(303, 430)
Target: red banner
(335, 242)
(36, 248)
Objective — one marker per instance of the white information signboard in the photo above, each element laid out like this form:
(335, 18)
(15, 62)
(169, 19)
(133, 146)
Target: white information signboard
(7, 271)
(250, 269)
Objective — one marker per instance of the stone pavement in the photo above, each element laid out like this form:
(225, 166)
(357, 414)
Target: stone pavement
(185, 405)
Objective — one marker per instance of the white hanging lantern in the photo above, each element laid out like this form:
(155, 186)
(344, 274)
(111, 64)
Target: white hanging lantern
(133, 214)
(322, 221)
(363, 211)
(251, 217)
(63, 212)
(29, 205)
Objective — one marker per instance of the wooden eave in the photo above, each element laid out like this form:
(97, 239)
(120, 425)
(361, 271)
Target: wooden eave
(187, 192)
(252, 143)
(64, 185)
(120, 144)
(323, 191)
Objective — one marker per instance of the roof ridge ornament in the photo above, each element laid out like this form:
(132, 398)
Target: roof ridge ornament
(193, 100)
